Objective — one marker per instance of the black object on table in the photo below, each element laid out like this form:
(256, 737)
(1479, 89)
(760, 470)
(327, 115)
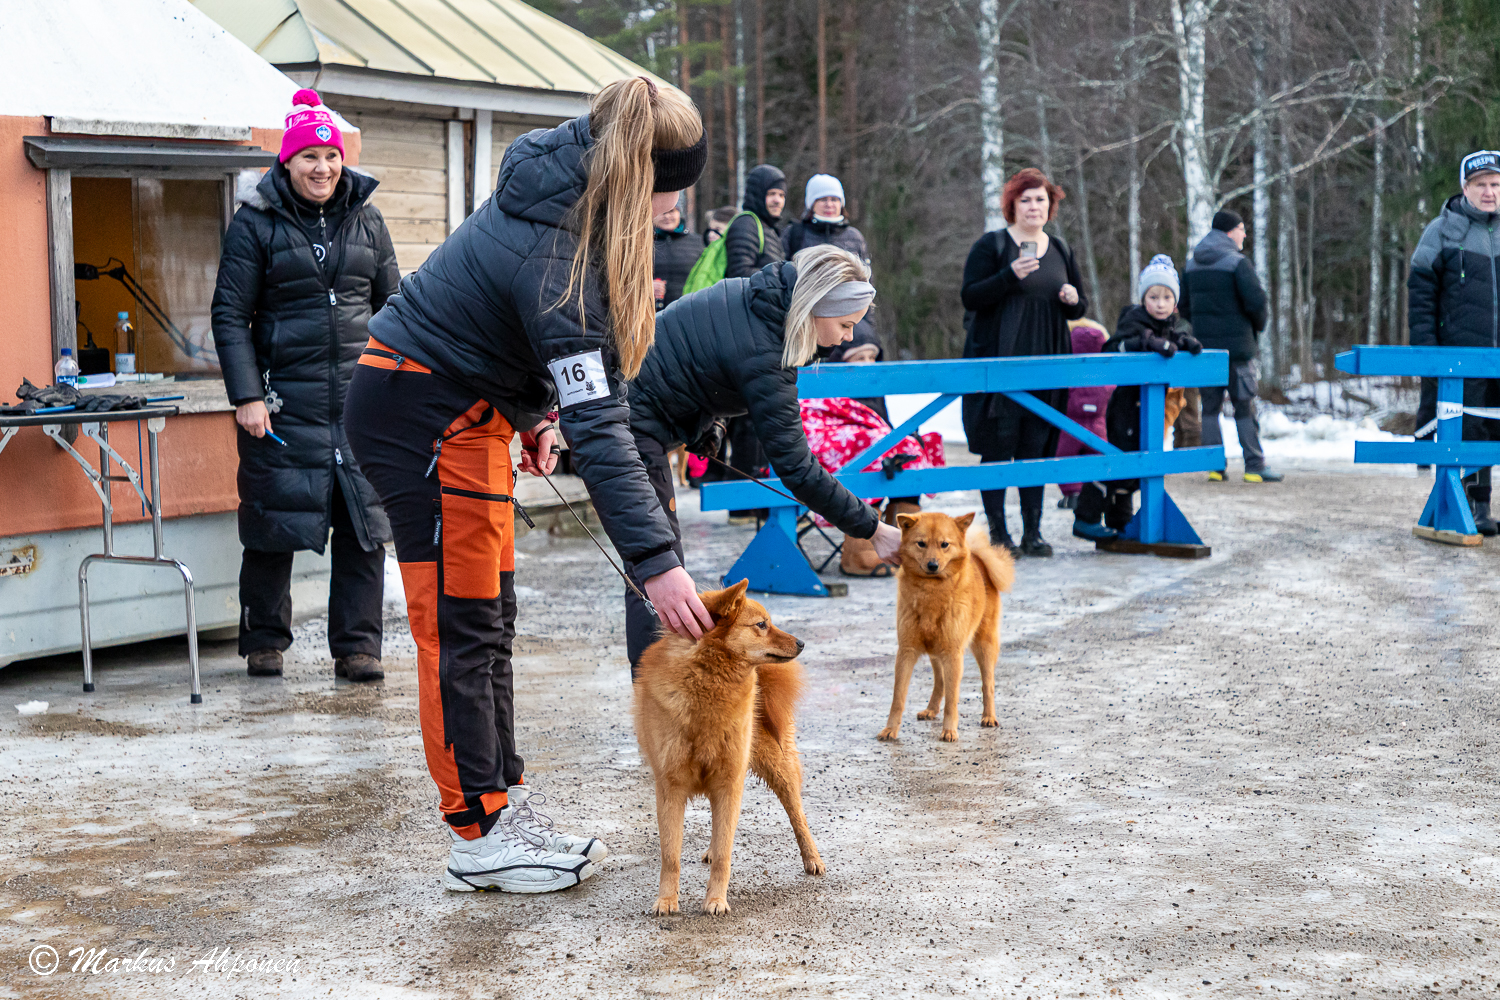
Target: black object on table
(96, 426)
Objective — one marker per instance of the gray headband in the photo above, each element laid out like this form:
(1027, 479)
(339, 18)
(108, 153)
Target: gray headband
(845, 299)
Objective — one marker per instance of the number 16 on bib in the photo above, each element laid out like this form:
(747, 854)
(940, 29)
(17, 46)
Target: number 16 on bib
(579, 378)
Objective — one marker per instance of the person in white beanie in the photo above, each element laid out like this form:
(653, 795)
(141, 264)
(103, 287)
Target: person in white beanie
(823, 221)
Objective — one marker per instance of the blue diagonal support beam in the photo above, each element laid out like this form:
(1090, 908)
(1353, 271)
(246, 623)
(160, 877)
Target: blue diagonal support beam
(894, 438)
(1057, 418)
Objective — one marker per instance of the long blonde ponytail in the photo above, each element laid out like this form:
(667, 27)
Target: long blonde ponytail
(629, 118)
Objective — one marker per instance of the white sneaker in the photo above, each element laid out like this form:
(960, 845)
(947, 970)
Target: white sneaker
(508, 860)
(538, 826)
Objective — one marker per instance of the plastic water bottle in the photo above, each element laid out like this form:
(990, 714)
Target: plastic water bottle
(124, 345)
(66, 370)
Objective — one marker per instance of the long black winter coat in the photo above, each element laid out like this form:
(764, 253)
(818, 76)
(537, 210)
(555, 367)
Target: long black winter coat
(718, 354)
(290, 331)
(675, 251)
(1014, 318)
(483, 310)
(743, 254)
(1223, 297)
(1454, 289)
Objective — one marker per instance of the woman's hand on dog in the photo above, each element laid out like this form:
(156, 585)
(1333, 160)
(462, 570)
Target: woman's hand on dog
(887, 541)
(677, 603)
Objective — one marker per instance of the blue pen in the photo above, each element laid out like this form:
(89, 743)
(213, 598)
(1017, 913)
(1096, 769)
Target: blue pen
(278, 440)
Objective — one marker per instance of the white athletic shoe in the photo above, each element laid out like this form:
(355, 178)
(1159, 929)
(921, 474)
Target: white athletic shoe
(508, 860)
(538, 826)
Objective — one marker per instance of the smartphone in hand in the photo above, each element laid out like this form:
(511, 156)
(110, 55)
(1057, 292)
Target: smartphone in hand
(1028, 248)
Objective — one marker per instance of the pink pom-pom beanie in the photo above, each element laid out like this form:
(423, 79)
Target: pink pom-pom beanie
(309, 124)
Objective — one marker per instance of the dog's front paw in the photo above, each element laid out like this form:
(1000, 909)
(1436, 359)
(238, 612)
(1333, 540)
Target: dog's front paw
(949, 736)
(814, 865)
(664, 905)
(989, 722)
(888, 733)
(926, 714)
(716, 907)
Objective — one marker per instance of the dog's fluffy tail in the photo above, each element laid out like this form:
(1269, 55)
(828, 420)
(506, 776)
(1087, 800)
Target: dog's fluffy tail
(778, 686)
(996, 563)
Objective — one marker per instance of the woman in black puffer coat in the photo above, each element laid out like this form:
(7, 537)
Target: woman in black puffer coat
(732, 350)
(306, 262)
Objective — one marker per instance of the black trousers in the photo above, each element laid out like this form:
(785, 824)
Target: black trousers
(642, 627)
(745, 451)
(355, 593)
(1021, 434)
(453, 520)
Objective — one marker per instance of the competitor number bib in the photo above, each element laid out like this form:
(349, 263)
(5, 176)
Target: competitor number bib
(580, 378)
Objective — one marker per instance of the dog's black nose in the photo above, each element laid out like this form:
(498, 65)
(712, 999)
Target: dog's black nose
(932, 566)
(800, 645)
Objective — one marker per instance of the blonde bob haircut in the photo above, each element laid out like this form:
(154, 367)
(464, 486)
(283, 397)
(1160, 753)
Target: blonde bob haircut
(820, 270)
(629, 118)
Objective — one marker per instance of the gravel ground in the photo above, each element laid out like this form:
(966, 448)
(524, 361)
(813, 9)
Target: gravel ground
(1268, 772)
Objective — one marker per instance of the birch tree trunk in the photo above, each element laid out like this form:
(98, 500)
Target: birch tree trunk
(760, 81)
(1133, 183)
(849, 77)
(1189, 28)
(1309, 373)
(1260, 217)
(725, 71)
(991, 120)
(1421, 125)
(1043, 139)
(684, 83)
(822, 36)
(1377, 241)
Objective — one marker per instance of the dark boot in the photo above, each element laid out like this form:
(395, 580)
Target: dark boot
(358, 668)
(1482, 520)
(1120, 510)
(264, 663)
(994, 513)
(1032, 543)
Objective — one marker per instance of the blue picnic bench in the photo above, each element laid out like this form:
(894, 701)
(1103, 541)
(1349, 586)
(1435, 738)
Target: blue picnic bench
(774, 563)
(1447, 517)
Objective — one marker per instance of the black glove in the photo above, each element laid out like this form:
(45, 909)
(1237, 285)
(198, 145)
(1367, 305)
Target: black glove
(43, 397)
(711, 441)
(1160, 345)
(1191, 344)
(105, 402)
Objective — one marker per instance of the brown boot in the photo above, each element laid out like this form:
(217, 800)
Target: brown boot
(858, 558)
(899, 507)
(264, 663)
(359, 667)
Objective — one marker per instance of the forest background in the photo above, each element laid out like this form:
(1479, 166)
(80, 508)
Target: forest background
(1335, 127)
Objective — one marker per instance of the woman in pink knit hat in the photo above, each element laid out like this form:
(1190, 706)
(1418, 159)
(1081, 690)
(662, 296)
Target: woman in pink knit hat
(305, 264)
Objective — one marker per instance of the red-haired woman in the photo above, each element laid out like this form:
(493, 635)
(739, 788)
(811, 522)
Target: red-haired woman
(1022, 286)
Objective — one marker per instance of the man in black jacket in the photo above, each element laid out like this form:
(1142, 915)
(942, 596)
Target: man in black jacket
(675, 252)
(1222, 297)
(1453, 300)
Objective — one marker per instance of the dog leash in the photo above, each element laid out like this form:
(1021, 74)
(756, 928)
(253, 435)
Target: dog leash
(746, 476)
(628, 581)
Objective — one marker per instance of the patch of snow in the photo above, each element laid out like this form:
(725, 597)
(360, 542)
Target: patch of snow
(32, 708)
(395, 590)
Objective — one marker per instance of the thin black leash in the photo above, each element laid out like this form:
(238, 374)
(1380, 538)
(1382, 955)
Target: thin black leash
(746, 476)
(628, 581)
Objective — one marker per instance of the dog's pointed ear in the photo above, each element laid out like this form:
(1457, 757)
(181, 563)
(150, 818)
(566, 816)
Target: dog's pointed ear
(904, 521)
(725, 603)
(964, 522)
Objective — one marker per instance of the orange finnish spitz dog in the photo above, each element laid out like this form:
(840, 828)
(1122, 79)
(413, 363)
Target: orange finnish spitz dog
(706, 712)
(947, 600)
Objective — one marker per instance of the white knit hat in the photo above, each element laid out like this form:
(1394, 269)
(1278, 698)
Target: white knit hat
(821, 186)
(1160, 271)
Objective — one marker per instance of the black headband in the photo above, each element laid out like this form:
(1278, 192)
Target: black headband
(679, 169)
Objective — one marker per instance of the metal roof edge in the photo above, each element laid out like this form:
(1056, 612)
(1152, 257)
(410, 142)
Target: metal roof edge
(46, 152)
(353, 81)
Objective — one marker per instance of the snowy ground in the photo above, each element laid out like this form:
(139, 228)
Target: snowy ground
(1268, 772)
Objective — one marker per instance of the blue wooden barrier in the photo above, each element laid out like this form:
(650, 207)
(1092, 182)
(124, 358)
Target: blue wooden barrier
(1447, 517)
(772, 562)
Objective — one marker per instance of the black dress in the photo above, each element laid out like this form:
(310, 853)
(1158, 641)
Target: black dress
(1016, 317)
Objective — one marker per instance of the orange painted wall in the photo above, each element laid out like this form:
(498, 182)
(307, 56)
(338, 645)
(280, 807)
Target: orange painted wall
(41, 488)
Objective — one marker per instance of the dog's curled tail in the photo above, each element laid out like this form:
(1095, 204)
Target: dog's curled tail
(996, 563)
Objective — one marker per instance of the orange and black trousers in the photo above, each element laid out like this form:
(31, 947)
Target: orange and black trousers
(440, 459)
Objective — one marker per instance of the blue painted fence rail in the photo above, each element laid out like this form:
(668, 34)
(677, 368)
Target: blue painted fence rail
(1447, 517)
(772, 561)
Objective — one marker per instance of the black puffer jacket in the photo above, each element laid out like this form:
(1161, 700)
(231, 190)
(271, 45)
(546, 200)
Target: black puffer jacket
(1454, 294)
(290, 331)
(815, 232)
(1223, 297)
(676, 251)
(481, 311)
(718, 354)
(743, 254)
